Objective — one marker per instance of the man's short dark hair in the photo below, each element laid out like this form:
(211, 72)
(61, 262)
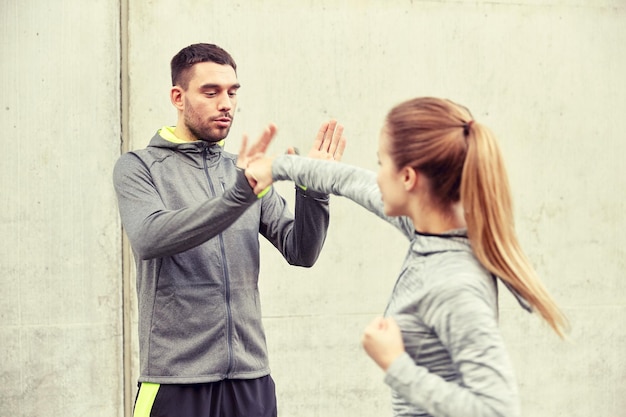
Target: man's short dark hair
(191, 55)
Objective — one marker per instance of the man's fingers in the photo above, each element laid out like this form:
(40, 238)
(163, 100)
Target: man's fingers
(264, 141)
(255, 157)
(336, 138)
(319, 139)
(266, 138)
(341, 146)
(246, 154)
(328, 136)
(329, 143)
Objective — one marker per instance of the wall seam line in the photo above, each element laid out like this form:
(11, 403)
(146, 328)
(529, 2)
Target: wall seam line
(125, 246)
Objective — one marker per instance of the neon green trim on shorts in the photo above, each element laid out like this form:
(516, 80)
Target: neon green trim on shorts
(145, 399)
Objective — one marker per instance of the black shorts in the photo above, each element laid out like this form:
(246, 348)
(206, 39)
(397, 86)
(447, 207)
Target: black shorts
(226, 398)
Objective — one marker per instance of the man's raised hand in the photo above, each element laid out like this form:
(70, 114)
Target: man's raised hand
(256, 150)
(329, 143)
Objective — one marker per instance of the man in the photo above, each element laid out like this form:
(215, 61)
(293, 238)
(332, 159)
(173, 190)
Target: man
(193, 222)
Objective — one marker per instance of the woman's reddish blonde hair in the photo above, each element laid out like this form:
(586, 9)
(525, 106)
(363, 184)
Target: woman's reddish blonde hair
(463, 162)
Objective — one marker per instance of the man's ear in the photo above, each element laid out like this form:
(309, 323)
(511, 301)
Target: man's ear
(410, 178)
(176, 96)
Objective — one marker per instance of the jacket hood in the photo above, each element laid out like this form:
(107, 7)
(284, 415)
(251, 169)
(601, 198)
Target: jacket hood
(192, 153)
(158, 141)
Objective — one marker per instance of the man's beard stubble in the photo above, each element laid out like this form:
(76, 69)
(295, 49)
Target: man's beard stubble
(206, 134)
(193, 122)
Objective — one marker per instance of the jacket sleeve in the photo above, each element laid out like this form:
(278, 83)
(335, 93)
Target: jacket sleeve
(155, 231)
(356, 184)
(466, 325)
(299, 239)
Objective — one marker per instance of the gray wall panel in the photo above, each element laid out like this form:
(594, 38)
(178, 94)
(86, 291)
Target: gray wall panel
(60, 283)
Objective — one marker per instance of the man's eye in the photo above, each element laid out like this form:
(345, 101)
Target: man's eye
(211, 93)
(232, 93)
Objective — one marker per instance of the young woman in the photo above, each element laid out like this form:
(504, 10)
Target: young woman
(441, 181)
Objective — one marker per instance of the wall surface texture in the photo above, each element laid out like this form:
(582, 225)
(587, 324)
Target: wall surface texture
(60, 299)
(546, 76)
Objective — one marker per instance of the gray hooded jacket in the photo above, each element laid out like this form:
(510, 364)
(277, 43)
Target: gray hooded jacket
(193, 223)
(445, 303)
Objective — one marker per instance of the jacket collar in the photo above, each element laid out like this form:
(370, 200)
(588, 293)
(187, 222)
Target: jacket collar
(455, 240)
(192, 153)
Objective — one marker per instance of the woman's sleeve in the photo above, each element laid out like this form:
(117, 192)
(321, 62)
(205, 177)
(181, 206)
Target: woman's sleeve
(356, 184)
(464, 319)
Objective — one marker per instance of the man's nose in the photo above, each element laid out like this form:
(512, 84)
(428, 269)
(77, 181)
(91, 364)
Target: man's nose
(225, 102)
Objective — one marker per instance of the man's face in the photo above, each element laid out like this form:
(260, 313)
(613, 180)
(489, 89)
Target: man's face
(210, 101)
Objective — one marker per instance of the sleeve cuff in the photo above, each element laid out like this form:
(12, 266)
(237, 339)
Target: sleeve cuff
(310, 193)
(242, 190)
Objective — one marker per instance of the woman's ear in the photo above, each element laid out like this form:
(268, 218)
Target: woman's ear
(176, 96)
(410, 178)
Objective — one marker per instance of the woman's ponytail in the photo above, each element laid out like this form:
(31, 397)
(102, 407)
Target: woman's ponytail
(486, 200)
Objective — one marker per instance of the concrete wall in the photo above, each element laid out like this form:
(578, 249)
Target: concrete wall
(546, 76)
(60, 276)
